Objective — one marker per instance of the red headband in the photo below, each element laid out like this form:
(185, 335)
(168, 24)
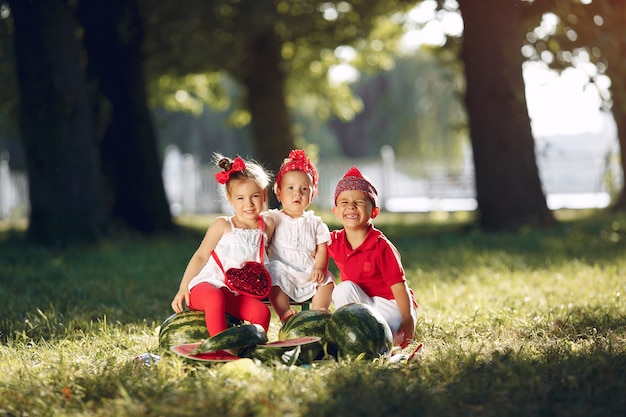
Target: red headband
(298, 161)
(238, 166)
(354, 180)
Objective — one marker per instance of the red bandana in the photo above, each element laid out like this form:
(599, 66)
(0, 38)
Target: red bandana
(354, 180)
(238, 166)
(298, 161)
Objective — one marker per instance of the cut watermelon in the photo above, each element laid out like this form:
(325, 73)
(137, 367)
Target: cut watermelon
(185, 350)
(281, 351)
(186, 327)
(234, 338)
(291, 343)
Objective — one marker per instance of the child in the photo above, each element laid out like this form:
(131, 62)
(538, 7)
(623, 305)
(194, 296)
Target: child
(298, 254)
(235, 240)
(370, 266)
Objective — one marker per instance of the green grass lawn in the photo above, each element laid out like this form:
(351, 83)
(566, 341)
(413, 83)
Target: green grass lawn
(513, 324)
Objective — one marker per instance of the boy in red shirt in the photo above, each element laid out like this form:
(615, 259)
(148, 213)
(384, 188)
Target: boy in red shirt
(369, 264)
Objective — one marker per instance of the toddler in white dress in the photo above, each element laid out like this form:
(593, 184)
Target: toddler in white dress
(298, 249)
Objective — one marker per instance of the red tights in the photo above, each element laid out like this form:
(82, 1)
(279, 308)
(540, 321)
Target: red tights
(215, 302)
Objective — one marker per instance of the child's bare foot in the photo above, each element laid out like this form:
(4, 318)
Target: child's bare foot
(285, 316)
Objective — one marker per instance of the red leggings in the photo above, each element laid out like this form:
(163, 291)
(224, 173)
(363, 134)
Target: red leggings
(215, 302)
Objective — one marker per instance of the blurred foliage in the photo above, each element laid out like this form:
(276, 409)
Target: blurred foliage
(203, 38)
(414, 107)
(588, 35)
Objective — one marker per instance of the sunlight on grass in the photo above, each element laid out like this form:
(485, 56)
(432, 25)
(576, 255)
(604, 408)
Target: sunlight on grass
(529, 323)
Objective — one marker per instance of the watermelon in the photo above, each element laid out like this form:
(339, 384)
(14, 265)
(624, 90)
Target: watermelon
(185, 350)
(283, 351)
(307, 323)
(186, 327)
(233, 338)
(357, 329)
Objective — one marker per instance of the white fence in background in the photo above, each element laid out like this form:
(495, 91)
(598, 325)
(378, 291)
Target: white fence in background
(13, 193)
(569, 182)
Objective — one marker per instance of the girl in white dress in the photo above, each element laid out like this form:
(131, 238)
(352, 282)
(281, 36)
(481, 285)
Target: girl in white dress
(298, 254)
(234, 240)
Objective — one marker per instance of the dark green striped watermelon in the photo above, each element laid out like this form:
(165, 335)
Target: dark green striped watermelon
(307, 323)
(186, 327)
(357, 329)
(233, 338)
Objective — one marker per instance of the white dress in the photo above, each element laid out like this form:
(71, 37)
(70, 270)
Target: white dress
(233, 249)
(292, 253)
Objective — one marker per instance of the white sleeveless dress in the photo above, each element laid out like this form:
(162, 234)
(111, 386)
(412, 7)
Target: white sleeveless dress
(233, 249)
(292, 253)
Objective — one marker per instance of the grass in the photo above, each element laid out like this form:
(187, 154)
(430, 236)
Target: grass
(520, 324)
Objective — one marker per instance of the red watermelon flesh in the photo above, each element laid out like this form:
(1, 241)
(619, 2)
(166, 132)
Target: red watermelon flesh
(185, 350)
(298, 341)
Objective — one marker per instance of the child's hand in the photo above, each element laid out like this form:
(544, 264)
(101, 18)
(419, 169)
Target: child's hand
(405, 332)
(177, 302)
(318, 275)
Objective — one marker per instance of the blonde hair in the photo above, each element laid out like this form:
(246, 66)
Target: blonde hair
(253, 171)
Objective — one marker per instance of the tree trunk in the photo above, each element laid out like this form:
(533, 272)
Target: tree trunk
(271, 123)
(613, 45)
(508, 188)
(128, 147)
(66, 205)
(619, 113)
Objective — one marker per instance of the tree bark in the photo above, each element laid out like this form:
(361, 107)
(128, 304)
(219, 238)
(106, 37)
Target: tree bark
(270, 120)
(612, 43)
(66, 204)
(128, 146)
(618, 94)
(508, 188)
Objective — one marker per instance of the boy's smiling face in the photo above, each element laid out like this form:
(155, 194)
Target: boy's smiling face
(354, 209)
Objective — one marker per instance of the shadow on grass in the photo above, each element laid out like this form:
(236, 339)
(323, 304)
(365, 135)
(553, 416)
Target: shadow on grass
(507, 384)
(49, 292)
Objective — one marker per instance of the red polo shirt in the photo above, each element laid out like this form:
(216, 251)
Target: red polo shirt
(375, 265)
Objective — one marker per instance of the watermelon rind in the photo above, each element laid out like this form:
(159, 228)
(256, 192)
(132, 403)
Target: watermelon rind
(234, 338)
(186, 327)
(286, 352)
(358, 330)
(220, 356)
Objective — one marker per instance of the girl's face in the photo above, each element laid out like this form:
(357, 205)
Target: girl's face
(248, 200)
(295, 192)
(354, 209)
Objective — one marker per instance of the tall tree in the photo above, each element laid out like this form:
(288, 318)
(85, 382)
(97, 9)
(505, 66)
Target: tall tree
(113, 36)
(508, 188)
(66, 203)
(274, 49)
(590, 32)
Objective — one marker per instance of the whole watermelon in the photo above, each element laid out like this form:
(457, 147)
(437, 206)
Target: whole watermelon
(186, 327)
(307, 323)
(356, 329)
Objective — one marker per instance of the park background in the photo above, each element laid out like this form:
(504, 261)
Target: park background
(442, 117)
(105, 104)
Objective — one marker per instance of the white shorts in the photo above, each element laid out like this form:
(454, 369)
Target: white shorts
(347, 292)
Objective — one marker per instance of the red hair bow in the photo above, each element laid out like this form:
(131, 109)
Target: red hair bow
(238, 166)
(298, 161)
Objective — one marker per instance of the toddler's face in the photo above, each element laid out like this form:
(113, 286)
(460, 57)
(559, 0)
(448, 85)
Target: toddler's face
(295, 192)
